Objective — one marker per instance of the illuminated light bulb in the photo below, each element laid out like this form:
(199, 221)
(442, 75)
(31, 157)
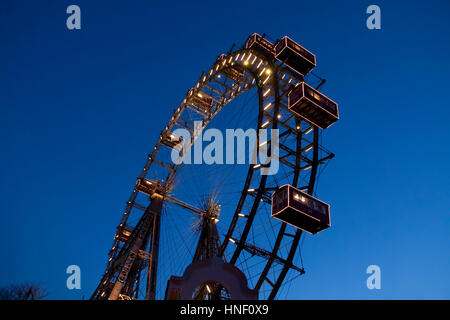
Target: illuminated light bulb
(256, 166)
(265, 124)
(207, 288)
(246, 63)
(268, 71)
(232, 240)
(279, 116)
(251, 190)
(303, 199)
(298, 127)
(241, 215)
(200, 95)
(296, 196)
(268, 106)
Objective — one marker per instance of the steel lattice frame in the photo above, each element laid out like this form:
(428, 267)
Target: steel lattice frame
(273, 82)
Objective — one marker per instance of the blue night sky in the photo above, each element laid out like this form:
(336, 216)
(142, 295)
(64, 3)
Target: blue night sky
(81, 109)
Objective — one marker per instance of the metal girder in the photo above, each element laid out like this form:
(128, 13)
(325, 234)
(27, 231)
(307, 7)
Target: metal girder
(185, 205)
(254, 250)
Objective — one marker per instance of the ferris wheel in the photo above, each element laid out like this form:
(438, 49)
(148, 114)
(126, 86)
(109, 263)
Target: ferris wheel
(227, 230)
